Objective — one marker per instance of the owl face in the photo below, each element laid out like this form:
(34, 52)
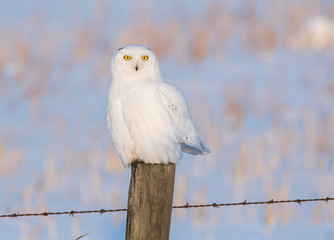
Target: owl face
(134, 62)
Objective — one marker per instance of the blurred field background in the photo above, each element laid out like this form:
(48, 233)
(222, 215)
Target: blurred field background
(259, 79)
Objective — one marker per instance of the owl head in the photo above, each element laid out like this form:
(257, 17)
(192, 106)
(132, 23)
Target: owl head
(134, 62)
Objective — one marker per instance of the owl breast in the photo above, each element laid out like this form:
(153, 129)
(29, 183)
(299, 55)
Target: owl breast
(140, 124)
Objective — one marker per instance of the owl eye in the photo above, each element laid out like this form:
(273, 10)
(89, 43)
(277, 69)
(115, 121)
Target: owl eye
(127, 57)
(144, 58)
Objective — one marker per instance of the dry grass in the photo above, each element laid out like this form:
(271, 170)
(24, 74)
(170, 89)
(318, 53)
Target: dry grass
(31, 65)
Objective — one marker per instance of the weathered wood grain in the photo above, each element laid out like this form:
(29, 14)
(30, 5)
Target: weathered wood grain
(150, 201)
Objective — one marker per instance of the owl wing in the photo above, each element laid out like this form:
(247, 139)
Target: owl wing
(179, 112)
(117, 128)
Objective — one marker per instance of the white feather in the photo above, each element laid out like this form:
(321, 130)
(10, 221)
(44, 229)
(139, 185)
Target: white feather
(148, 118)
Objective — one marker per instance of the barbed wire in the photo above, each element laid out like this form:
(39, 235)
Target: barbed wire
(187, 205)
(272, 201)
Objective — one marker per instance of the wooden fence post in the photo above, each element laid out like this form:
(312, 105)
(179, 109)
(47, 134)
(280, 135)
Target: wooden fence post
(150, 201)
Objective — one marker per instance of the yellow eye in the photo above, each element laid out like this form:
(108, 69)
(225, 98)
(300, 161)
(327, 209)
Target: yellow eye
(127, 57)
(145, 58)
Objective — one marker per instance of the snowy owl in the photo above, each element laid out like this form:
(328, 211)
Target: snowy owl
(148, 118)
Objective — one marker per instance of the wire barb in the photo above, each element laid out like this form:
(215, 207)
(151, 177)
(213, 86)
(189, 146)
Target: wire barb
(45, 214)
(72, 213)
(187, 205)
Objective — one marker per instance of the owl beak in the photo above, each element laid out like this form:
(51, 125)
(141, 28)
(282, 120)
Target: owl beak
(136, 67)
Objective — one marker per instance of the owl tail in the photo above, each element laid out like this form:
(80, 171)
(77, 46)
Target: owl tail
(195, 150)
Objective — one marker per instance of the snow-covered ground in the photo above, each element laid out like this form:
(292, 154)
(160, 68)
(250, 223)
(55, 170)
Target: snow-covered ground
(260, 96)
